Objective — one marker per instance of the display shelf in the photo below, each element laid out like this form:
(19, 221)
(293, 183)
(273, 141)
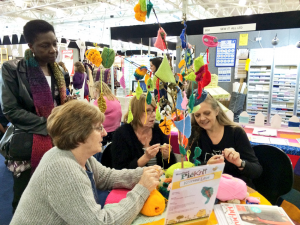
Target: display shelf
(283, 94)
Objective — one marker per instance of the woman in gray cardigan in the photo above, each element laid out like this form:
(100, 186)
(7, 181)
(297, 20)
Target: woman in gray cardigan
(62, 189)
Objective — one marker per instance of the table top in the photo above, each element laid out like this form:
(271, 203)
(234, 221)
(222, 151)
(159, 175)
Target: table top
(212, 220)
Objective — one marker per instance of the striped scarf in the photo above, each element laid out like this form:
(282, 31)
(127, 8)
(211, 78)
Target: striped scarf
(43, 101)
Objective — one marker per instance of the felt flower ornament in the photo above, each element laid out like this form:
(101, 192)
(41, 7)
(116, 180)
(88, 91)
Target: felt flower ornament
(140, 72)
(161, 39)
(150, 85)
(165, 126)
(94, 56)
(139, 14)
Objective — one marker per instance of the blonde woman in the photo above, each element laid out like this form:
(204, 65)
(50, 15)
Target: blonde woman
(79, 77)
(141, 142)
(113, 113)
(66, 74)
(222, 140)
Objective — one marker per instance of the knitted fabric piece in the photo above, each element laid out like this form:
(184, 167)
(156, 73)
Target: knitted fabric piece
(149, 8)
(160, 41)
(182, 37)
(138, 91)
(143, 5)
(43, 102)
(155, 204)
(164, 72)
(108, 57)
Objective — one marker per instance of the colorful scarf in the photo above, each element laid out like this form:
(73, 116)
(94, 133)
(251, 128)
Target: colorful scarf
(43, 101)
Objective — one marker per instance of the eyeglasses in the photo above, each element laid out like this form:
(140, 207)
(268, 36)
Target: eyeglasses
(100, 129)
(149, 111)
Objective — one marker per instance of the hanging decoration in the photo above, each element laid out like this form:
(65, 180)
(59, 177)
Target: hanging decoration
(139, 14)
(138, 91)
(179, 100)
(161, 39)
(140, 72)
(108, 57)
(188, 58)
(182, 150)
(101, 103)
(130, 116)
(197, 153)
(150, 85)
(164, 72)
(149, 8)
(149, 98)
(165, 126)
(191, 103)
(184, 101)
(157, 112)
(183, 37)
(94, 56)
(184, 126)
(181, 63)
(146, 78)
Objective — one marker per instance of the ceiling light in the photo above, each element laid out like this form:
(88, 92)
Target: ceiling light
(242, 2)
(217, 5)
(248, 11)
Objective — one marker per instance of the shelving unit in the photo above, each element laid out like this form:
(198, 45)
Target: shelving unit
(259, 77)
(283, 95)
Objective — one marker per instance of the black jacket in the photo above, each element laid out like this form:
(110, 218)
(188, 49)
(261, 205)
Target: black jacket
(16, 98)
(126, 148)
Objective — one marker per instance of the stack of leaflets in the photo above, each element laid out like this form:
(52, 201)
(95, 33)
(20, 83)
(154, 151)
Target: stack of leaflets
(250, 214)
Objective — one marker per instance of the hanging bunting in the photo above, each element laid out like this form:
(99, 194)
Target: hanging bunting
(150, 85)
(138, 91)
(183, 36)
(143, 5)
(149, 8)
(149, 98)
(191, 103)
(184, 126)
(188, 58)
(157, 113)
(184, 101)
(161, 39)
(191, 76)
(130, 116)
(179, 100)
(181, 63)
(196, 108)
(165, 126)
(164, 72)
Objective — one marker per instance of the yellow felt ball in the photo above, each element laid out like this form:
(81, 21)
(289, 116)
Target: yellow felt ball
(155, 204)
(102, 103)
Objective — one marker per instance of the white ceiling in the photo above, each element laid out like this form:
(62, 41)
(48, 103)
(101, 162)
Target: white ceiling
(89, 19)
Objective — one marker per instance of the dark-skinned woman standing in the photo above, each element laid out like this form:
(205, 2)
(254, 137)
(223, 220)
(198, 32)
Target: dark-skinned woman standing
(30, 89)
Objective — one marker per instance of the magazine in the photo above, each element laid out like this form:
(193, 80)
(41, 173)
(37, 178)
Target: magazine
(243, 214)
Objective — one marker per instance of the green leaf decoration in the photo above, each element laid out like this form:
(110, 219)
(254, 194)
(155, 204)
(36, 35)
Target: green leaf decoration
(191, 76)
(149, 98)
(196, 108)
(197, 152)
(130, 116)
(150, 85)
(191, 102)
(138, 91)
(157, 115)
(182, 150)
(164, 72)
(143, 5)
(198, 63)
(149, 8)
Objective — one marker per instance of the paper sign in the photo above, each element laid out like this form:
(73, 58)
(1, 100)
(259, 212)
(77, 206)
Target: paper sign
(226, 53)
(67, 59)
(243, 40)
(224, 74)
(193, 193)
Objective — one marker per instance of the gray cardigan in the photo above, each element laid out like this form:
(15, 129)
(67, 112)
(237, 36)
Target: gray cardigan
(60, 192)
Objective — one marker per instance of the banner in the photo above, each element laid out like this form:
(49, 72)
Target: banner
(67, 59)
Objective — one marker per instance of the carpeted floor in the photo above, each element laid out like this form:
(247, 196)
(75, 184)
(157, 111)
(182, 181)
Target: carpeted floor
(6, 193)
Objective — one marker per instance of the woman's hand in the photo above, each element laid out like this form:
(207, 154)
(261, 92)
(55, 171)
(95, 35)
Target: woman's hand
(232, 156)
(150, 177)
(216, 159)
(165, 151)
(151, 151)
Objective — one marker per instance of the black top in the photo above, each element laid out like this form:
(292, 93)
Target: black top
(126, 148)
(233, 137)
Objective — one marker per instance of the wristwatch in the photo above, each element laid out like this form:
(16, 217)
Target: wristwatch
(243, 164)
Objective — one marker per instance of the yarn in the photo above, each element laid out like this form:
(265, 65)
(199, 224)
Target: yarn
(155, 204)
(157, 113)
(108, 57)
(140, 72)
(102, 103)
(94, 56)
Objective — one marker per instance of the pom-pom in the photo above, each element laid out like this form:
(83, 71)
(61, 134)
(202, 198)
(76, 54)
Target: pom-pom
(140, 72)
(108, 57)
(102, 103)
(139, 14)
(155, 204)
(94, 56)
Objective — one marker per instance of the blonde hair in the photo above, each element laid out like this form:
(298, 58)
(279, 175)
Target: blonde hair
(221, 118)
(63, 66)
(79, 67)
(72, 123)
(105, 90)
(137, 109)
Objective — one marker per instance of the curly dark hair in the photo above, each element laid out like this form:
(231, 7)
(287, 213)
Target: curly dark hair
(35, 27)
(156, 62)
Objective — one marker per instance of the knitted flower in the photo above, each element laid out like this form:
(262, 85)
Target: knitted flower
(139, 14)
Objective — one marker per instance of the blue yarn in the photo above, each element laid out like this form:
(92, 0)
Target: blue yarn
(182, 37)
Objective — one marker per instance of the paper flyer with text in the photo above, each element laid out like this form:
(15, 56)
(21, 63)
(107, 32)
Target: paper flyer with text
(193, 193)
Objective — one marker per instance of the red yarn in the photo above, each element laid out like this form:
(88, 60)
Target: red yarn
(157, 87)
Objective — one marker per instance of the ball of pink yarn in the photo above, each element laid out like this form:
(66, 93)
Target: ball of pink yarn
(231, 188)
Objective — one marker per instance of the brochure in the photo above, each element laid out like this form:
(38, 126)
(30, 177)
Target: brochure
(193, 193)
(243, 214)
